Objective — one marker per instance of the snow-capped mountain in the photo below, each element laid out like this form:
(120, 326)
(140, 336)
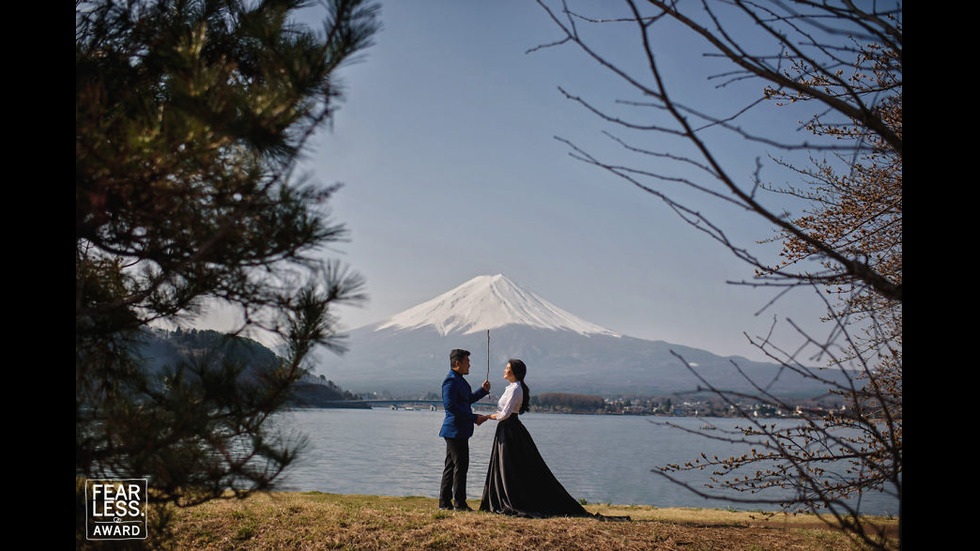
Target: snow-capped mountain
(489, 302)
(408, 353)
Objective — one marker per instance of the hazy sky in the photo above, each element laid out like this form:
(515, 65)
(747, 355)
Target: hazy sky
(446, 146)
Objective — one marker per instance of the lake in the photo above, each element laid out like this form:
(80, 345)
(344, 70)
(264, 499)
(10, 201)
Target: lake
(599, 458)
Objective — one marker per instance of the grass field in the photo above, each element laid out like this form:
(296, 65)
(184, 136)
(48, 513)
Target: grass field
(329, 521)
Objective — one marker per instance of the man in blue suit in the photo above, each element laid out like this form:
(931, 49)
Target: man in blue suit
(457, 429)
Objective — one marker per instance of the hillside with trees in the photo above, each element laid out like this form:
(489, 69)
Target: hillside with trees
(565, 402)
(192, 353)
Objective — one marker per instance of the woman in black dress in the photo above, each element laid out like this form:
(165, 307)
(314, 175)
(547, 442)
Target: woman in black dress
(518, 480)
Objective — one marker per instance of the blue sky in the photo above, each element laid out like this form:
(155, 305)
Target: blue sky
(446, 146)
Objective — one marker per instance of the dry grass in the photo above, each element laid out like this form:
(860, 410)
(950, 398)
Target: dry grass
(329, 521)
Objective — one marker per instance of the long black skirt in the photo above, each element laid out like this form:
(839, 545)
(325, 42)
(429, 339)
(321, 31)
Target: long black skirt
(518, 480)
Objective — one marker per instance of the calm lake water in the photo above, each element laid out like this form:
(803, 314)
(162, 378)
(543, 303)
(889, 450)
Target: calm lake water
(599, 458)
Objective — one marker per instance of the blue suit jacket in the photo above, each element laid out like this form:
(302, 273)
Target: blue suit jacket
(456, 399)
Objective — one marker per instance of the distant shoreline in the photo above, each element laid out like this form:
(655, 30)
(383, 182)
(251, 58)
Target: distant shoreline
(421, 405)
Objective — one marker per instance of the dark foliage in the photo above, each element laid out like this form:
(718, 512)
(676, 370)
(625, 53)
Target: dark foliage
(190, 116)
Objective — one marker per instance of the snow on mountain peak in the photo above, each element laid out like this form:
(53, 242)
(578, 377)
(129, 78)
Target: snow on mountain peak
(487, 302)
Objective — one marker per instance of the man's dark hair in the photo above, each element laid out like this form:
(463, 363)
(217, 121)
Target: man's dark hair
(456, 355)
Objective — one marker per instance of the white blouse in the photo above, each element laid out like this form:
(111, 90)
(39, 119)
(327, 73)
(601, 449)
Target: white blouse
(510, 401)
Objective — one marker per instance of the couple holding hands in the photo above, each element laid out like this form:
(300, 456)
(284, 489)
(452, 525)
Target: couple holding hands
(518, 480)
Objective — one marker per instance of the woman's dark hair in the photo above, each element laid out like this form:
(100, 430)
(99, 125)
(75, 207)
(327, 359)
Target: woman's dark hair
(519, 370)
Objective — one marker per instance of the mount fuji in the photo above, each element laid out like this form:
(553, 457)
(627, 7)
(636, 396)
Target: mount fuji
(408, 353)
(489, 302)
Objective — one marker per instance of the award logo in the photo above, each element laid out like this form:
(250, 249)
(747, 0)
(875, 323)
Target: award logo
(115, 509)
